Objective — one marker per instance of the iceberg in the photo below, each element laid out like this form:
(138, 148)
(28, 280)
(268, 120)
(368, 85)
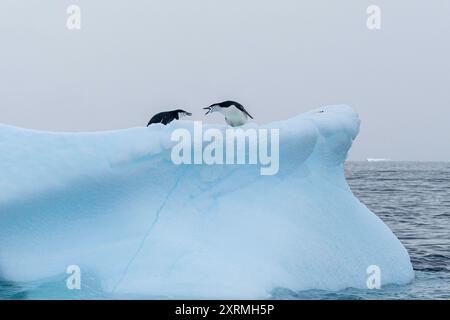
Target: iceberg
(114, 204)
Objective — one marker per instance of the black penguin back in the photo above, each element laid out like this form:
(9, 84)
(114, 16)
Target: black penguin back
(164, 117)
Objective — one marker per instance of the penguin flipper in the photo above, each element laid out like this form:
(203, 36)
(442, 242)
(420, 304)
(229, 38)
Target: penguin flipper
(166, 119)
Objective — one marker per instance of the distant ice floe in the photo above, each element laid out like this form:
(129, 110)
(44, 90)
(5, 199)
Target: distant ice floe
(114, 204)
(377, 159)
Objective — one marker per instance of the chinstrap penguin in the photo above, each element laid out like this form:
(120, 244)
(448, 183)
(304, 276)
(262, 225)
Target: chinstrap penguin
(168, 116)
(234, 112)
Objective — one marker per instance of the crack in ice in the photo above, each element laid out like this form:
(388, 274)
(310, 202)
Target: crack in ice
(147, 233)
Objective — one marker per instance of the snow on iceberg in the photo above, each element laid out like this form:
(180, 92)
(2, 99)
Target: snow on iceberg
(115, 204)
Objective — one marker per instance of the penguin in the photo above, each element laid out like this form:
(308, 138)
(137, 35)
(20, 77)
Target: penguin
(168, 116)
(234, 112)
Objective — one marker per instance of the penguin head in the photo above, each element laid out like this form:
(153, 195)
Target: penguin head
(216, 107)
(182, 113)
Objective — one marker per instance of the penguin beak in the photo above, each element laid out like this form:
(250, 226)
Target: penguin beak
(209, 110)
(188, 114)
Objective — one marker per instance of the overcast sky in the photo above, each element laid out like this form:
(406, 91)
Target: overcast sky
(132, 59)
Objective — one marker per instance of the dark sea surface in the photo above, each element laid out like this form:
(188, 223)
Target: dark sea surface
(412, 198)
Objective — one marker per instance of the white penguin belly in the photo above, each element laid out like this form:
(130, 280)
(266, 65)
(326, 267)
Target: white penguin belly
(234, 117)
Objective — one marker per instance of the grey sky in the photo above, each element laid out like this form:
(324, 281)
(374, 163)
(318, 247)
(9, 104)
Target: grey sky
(279, 58)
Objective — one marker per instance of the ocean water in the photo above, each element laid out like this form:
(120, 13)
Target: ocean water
(412, 198)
